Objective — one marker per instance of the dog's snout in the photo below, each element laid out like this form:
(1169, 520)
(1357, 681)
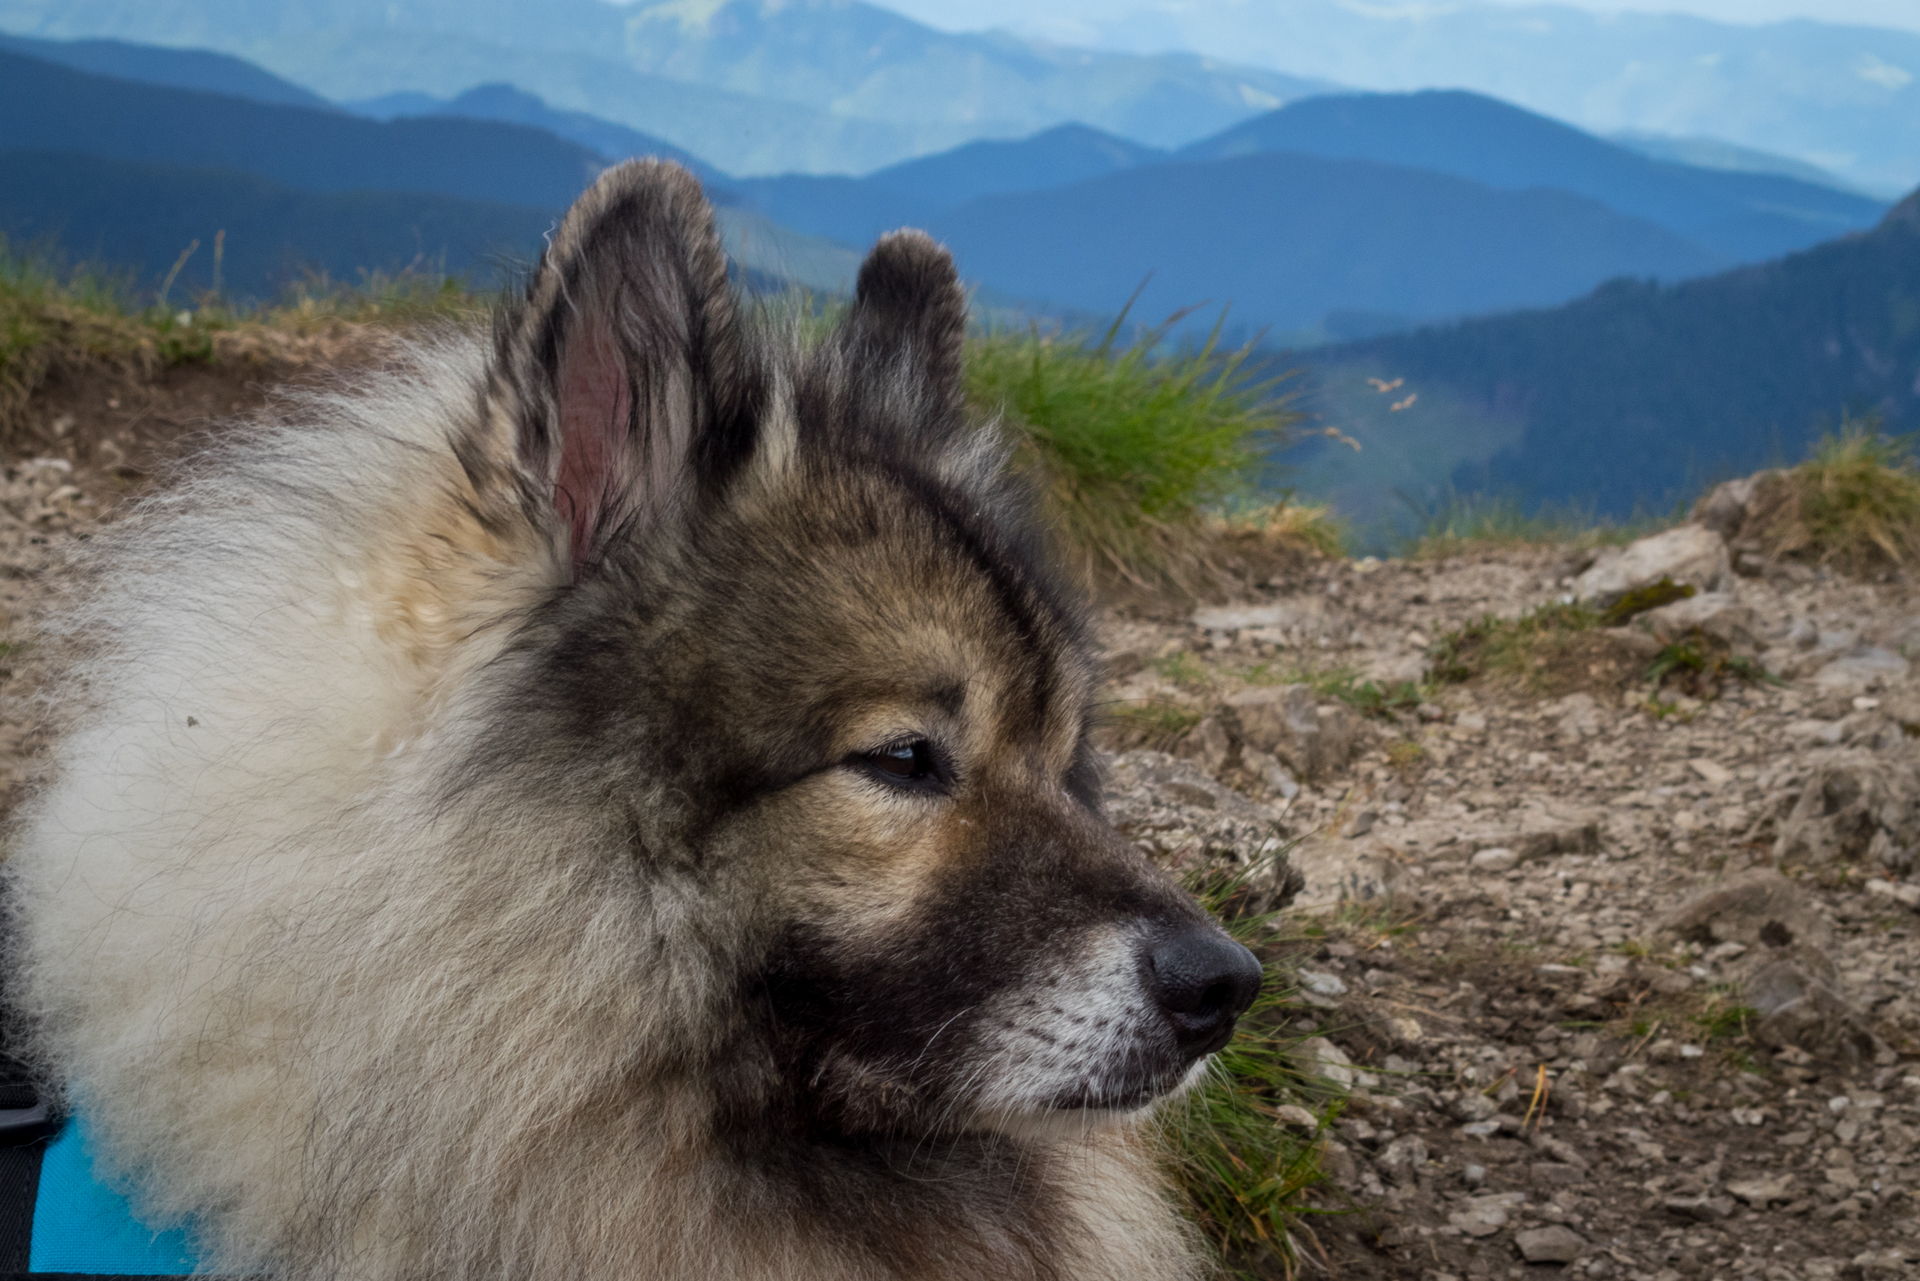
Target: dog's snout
(1204, 981)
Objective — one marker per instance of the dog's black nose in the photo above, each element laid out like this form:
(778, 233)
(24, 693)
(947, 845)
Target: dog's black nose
(1204, 981)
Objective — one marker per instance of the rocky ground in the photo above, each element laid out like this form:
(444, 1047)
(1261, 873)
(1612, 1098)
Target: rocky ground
(1621, 979)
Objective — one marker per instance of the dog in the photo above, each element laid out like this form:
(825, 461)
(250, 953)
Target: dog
(613, 799)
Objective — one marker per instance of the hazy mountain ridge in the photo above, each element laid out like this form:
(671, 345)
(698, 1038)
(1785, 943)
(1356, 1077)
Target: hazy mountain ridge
(1845, 98)
(1743, 216)
(751, 89)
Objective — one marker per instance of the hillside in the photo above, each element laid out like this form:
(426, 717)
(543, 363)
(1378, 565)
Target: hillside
(1637, 393)
(822, 86)
(174, 68)
(1287, 238)
(1744, 217)
(139, 217)
(55, 108)
(507, 105)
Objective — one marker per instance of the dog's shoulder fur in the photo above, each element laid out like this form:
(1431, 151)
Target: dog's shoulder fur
(401, 906)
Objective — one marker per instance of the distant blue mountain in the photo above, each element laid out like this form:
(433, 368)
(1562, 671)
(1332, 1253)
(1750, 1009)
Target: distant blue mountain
(508, 105)
(138, 217)
(1053, 158)
(1287, 238)
(174, 68)
(856, 210)
(1634, 396)
(1745, 217)
(50, 107)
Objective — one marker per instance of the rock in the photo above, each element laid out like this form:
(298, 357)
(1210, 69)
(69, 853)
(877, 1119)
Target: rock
(1905, 894)
(1495, 860)
(1335, 870)
(1691, 555)
(1268, 769)
(1404, 1159)
(1845, 804)
(1483, 1217)
(1322, 1058)
(1285, 721)
(1706, 1209)
(1242, 618)
(1715, 614)
(1866, 668)
(1295, 1117)
(1800, 1009)
(1712, 771)
(1760, 1192)
(1723, 509)
(1555, 1243)
(1208, 744)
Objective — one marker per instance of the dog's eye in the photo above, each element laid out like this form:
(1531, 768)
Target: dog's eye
(910, 760)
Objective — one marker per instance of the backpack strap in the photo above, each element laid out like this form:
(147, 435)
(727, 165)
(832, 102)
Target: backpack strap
(26, 1122)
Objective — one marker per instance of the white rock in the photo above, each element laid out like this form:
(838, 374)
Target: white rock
(1712, 771)
(1717, 614)
(1866, 668)
(1495, 860)
(1688, 554)
(1324, 1059)
(1235, 620)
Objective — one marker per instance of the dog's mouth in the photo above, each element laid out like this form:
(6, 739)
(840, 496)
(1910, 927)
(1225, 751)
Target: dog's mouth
(1094, 1104)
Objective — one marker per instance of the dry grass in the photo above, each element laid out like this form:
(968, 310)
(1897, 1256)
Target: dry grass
(1854, 505)
(59, 321)
(1472, 525)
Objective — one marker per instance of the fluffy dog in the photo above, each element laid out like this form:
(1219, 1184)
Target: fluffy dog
(614, 801)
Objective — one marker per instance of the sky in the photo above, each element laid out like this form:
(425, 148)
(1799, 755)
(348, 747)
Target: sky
(967, 15)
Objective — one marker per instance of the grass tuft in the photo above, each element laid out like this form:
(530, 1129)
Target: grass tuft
(1240, 1172)
(1853, 505)
(1527, 651)
(1137, 451)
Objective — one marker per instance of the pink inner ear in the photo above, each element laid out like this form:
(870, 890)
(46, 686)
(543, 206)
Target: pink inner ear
(596, 407)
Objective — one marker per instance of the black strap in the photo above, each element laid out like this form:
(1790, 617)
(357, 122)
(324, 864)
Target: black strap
(19, 1185)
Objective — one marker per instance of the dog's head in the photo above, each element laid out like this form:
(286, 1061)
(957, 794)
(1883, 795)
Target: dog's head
(809, 650)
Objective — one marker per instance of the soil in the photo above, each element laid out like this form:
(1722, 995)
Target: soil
(1546, 1054)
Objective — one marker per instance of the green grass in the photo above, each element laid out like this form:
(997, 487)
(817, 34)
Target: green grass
(1137, 449)
(1242, 1175)
(1854, 504)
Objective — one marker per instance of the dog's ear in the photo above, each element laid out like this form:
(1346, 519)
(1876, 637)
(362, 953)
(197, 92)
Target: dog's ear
(622, 367)
(909, 309)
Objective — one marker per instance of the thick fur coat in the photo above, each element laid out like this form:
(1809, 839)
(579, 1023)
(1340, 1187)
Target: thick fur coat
(613, 800)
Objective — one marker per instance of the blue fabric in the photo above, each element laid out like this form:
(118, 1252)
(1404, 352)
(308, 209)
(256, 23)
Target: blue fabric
(81, 1225)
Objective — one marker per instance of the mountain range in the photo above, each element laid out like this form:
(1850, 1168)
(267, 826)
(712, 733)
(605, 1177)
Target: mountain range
(751, 87)
(1340, 212)
(1844, 98)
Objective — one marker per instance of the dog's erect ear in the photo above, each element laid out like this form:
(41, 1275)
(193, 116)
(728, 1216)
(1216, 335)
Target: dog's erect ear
(622, 365)
(908, 307)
